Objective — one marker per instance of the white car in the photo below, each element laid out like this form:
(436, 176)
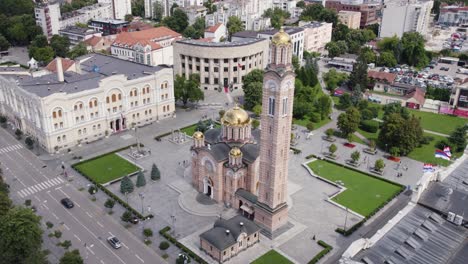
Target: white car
(114, 242)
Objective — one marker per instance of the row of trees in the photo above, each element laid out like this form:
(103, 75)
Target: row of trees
(346, 40)
(127, 186)
(75, 5)
(277, 16)
(44, 52)
(409, 49)
(317, 12)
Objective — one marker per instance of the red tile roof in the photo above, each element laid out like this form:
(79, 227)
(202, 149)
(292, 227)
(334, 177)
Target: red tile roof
(92, 41)
(382, 76)
(418, 95)
(145, 37)
(213, 29)
(66, 64)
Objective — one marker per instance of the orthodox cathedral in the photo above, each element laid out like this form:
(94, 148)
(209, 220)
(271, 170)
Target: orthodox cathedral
(247, 168)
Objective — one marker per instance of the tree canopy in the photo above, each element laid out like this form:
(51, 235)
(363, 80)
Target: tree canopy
(348, 122)
(277, 16)
(178, 21)
(234, 25)
(60, 45)
(71, 257)
(359, 75)
(252, 87)
(317, 12)
(398, 132)
(188, 90)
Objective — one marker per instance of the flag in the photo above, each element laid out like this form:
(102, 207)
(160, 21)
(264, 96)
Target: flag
(447, 151)
(427, 167)
(440, 154)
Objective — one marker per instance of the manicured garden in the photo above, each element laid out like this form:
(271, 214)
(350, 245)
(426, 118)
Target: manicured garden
(364, 194)
(106, 168)
(444, 124)
(191, 129)
(272, 256)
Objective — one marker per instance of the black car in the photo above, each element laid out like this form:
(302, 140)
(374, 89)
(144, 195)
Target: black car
(114, 242)
(67, 203)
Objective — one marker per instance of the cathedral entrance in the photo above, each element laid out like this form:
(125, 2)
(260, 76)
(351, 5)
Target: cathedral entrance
(208, 187)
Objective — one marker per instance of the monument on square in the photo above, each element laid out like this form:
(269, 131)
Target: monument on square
(246, 168)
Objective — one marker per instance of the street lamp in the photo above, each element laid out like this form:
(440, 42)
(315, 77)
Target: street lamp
(142, 197)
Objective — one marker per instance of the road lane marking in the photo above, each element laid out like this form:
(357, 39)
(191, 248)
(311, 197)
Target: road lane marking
(138, 257)
(99, 224)
(125, 246)
(45, 206)
(77, 237)
(102, 262)
(92, 252)
(55, 216)
(66, 227)
(89, 214)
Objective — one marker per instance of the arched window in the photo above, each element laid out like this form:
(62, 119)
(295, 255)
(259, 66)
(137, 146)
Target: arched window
(107, 99)
(60, 113)
(120, 96)
(147, 89)
(114, 98)
(90, 104)
(58, 139)
(95, 102)
(143, 91)
(75, 107)
(54, 114)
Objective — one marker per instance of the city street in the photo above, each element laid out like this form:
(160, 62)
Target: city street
(86, 225)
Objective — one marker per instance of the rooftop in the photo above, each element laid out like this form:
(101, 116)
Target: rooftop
(66, 64)
(145, 37)
(382, 76)
(213, 29)
(94, 67)
(77, 30)
(238, 43)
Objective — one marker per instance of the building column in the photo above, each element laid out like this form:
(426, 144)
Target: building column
(194, 65)
(186, 68)
(211, 71)
(230, 72)
(202, 71)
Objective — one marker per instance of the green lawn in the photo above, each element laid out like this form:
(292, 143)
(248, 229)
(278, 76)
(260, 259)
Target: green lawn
(364, 193)
(368, 135)
(303, 122)
(106, 168)
(272, 257)
(425, 153)
(191, 129)
(444, 124)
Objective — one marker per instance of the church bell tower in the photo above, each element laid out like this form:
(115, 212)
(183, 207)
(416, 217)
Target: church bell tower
(271, 210)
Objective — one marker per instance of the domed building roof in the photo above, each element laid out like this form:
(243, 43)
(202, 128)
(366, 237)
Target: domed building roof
(235, 116)
(281, 38)
(198, 135)
(236, 152)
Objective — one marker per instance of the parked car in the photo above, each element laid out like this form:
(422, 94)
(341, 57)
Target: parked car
(134, 220)
(67, 203)
(114, 242)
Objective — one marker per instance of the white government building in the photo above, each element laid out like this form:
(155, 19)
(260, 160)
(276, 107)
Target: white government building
(100, 96)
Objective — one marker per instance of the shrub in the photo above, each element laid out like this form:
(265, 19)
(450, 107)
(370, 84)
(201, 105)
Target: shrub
(366, 114)
(257, 109)
(221, 113)
(66, 244)
(18, 133)
(57, 234)
(141, 180)
(426, 140)
(29, 142)
(332, 149)
(326, 248)
(147, 232)
(164, 245)
(443, 143)
(109, 203)
(49, 225)
(370, 126)
(314, 117)
(379, 165)
(329, 132)
(255, 123)
(155, 173)
(395, 151)
(27, 202)
(126, 185)
(310, 126)
(126, 216)
(375, 111)
(355, 156)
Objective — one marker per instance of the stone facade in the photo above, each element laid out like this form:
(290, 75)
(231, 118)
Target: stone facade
(350, 18)
(221, 64)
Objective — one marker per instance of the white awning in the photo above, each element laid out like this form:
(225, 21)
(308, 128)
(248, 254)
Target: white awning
(246, 209)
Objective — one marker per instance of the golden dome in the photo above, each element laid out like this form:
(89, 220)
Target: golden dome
(281, 38)
(235, 116)
(198, 135)
(235, 152)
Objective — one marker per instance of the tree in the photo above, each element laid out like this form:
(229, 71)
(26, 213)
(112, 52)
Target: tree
(345, 101)
(188, 90)
(155, 174)
(138, 8)
(400, 132)
(255, 124)
(39, 41)
(77, 51)
(18, 133)
(368, 55)
(335, 49)
(324, 105)
(277, 16)
(3, 121)
(257, 109)
(356, 95)
(71, 257)
(372, 145)
(60, 45)
(253, 87)
(395, 108)
(21, 237)
(16, 7)
(109, 204)
(4, 44)
(387, 58)
(210, 6)
(332, 149)
(334, 79)
(394, 151)
(178, 21)
(319, 13)
(295, 62)
(126, 216)
(147, 232)
(29, 142)
(44, 55)
(348, 122)
(413, 52)
(190, 32)
(310, 126)
(379, 165)
(329, 132)
(199, 27)
(66, 244)
(158, 11)
(141, 181)
(300, 4)
(128, 17)
(164, 245)
(359, 75)
(234, 25)
(355, 156)
(126, 185)
(458, 138)
(5, 204)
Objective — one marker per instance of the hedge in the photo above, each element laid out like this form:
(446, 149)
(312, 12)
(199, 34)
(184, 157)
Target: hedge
(166, 235)
(295, 150)
(370, 126)
(352, 229)
(326, 248)
(105, 190)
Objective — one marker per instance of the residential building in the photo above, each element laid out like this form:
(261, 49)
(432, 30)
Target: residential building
(453, 15)
(250, 20)
(370, 11)
(109, 26)
(194, 12)
(405, 16)
(104, 96)
(285, 5)
(120, 8)
(152, 46)
(78, 34)
(220, 64)
(351, 19)
(85, 14)
(167, 4)
(216, 32)
(47, 17)
(316, 35)
(228, 238)
(297, 35)
(95, 44)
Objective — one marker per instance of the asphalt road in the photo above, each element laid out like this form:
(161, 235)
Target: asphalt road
(86, 225)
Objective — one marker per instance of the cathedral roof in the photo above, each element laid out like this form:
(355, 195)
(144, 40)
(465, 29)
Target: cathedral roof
(281, 38)
(221, 239)
(235, 116)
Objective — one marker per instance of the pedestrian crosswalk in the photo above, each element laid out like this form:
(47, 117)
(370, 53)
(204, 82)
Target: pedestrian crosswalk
(40, 187)
(10, 148)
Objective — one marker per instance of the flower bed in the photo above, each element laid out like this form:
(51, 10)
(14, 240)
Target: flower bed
(349, 145)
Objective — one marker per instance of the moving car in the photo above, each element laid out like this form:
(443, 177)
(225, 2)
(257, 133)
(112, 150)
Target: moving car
(67, 203)
(114, 242)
